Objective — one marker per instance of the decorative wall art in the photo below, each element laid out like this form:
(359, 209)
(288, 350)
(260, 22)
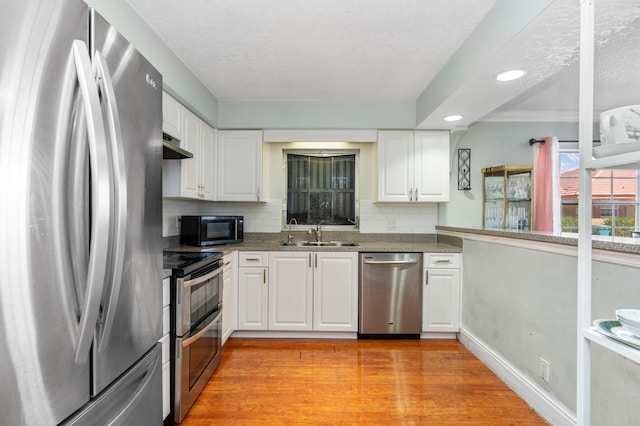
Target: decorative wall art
(464, 169)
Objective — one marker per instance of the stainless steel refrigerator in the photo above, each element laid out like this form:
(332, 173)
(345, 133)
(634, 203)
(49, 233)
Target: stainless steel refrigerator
(80, 220)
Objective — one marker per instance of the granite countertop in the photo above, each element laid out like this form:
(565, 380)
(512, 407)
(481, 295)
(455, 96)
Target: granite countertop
(366, 243)
(618, 244)
(370, 246)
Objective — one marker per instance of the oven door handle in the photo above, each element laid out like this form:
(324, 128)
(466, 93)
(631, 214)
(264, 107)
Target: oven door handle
(202, 279)
(200, 333)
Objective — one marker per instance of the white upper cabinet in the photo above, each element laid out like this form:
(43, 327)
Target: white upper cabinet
(191, 177)
(431, 166)
(239, 162)
(207, 162)
(171, 116)
(190, 167)
(413, 166)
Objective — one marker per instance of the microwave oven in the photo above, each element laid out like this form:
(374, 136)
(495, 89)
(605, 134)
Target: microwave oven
(204, 231)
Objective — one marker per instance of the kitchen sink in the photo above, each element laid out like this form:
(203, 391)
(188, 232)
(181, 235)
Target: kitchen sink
(319, 244)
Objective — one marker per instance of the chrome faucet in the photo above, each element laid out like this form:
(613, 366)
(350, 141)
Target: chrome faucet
(317, 232)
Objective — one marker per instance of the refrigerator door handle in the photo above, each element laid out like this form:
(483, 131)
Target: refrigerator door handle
(117, 243)
(100, 203)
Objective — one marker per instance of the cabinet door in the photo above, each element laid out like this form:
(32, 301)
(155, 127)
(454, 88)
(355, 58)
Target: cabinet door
(207, 162)
(253, 291)
(335, 288)
(395, 165)
(228, 305)
(431, 167)
(239, 165)
(441, 300)
(190, 167)
(290, 291)
(171, 116)
(166, 358)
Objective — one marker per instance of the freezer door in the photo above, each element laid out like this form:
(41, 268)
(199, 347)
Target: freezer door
(131, 311)
(44, 211)
(134, 399)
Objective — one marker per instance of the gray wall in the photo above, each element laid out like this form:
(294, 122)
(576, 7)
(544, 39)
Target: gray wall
(492, 144)
(522, 304)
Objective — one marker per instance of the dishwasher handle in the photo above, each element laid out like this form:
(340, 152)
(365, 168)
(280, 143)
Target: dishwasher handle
(390, 262)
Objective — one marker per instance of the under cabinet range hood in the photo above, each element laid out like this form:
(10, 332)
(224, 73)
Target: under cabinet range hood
(171, 150)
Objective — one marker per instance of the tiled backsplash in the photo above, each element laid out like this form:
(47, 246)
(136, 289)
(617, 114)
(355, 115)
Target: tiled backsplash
(379, 218)
(397, 218)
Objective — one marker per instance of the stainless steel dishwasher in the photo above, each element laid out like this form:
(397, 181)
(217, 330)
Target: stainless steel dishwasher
(390, 295)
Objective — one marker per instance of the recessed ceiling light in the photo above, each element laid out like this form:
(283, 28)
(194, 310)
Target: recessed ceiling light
(453, 118)
(510, 75)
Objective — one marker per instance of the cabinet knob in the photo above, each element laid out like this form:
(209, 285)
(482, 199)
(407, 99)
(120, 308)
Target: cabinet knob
(426, 277)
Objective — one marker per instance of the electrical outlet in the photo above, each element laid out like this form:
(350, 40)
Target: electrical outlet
(543, 370)
(177, 222)
(391, 225)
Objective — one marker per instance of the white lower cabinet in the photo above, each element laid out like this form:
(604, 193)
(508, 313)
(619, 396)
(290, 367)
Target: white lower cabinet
(290, 291)
(301, 291)
(335, 292)
(165, 341)
(228, 296)
(441, 293)
(253, 290)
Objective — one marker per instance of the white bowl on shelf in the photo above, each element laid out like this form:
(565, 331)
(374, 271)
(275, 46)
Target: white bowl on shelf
(629, 315)
(630, 320)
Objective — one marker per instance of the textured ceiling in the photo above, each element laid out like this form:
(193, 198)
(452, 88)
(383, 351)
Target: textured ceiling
(392, 50)
(314, 49)
(616, 57)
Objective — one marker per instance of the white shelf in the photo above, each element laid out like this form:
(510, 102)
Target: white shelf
(613, 345)
(630, 160)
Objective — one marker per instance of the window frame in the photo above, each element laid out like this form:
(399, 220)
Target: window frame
(613, 204)
(320, 152)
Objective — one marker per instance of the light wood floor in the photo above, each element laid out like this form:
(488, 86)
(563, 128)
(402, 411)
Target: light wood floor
(344, 382)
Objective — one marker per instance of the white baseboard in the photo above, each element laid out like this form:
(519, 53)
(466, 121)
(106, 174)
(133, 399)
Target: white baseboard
(438, 335)
(294, 334)
(544, 404)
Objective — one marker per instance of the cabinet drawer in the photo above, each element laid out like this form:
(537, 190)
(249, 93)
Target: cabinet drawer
(253, 258)
(442, 260)
(165, 319)
(164, 341)
(227, 262)
(165, 291)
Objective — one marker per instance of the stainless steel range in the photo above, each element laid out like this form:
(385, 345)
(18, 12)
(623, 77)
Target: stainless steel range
(196, 305)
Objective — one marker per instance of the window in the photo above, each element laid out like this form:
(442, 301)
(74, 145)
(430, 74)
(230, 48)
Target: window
(615, 200)
(321, 187)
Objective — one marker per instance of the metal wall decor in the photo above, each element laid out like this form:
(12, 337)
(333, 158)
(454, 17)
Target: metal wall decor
(464, 168)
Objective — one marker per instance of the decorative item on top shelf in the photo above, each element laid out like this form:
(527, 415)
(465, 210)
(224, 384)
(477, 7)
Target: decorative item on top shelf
(464, 169)
(619, 131)
(506, 197)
